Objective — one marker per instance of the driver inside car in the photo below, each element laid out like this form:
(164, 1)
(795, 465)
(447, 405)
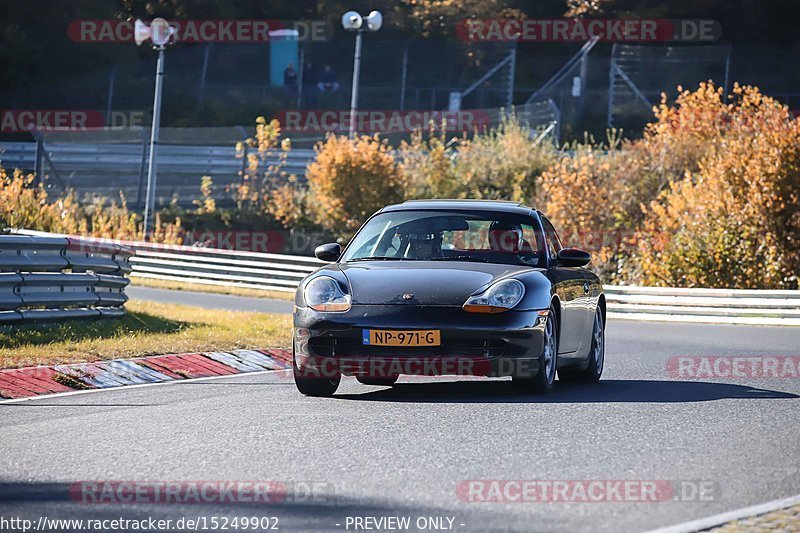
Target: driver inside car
(509, 238)
(423, 246)
(506, 238)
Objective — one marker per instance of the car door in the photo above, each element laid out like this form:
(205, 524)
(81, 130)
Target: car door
(570, 285)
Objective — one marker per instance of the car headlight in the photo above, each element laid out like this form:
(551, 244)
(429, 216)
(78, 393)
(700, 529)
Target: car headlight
(499, 297)
(323, 294)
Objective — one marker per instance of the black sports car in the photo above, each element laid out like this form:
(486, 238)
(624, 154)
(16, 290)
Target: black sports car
(459, 287)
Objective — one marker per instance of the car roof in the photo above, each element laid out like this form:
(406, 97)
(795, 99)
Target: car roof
(461, 205)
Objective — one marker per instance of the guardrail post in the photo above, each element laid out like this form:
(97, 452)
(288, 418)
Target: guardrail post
(38, 163)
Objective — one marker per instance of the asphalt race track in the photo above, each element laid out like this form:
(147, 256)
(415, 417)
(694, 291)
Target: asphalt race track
(210, 300)
(378, 452)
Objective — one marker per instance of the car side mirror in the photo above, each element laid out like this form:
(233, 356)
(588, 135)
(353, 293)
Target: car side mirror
(572, 257)
(328, 252)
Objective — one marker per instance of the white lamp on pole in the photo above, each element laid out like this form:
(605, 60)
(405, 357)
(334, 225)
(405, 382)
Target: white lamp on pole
(160, 33)
(352, 21)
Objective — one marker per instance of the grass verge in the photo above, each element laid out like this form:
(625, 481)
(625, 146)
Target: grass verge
(216, 289)
(148, 329)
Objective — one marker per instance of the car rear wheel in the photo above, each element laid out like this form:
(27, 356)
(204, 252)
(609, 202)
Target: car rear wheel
(597, 356)
(386, 382)
(543, 381)
(315, 386)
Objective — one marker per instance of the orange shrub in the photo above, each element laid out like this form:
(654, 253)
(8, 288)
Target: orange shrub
(590, 198)
(500, 163)
(25, 205)
(427, 166)
(28, 206)
(351, 179)
(735, 222)
(287, 204)
(708, 196)
(266, 158)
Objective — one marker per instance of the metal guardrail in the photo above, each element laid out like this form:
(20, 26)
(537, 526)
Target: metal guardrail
(284, 272)
(279, 272)
(108, 169)
(275, 272)
(208, 266)
(733, 306)
(47, 278)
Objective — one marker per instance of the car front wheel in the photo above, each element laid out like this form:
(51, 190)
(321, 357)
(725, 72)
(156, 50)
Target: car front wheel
(543, 381)
(315, 386)
(597, 356)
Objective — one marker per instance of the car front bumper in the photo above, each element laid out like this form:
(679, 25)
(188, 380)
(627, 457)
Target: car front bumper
(502, 344)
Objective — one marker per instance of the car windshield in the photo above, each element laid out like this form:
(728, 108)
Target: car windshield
(480, 236)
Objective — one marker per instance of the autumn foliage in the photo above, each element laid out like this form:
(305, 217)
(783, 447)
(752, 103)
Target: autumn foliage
(707, 198)
(24, 204)
(349, 180)
(501, 163)
(735, 221)
(593, 199)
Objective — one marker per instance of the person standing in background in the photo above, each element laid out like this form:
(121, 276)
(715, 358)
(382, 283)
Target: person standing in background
(290, 81)
(327, 80)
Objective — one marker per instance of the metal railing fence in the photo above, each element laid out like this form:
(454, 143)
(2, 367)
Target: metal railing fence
(108, 169)
(47, 278)
(280, 272)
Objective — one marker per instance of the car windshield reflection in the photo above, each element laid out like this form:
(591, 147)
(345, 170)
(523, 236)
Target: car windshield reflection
(485, 237)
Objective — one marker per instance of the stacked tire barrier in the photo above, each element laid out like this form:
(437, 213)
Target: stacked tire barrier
(51, 278)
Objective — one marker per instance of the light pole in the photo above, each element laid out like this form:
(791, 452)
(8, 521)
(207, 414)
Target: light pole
(160, 33)
(352, 21)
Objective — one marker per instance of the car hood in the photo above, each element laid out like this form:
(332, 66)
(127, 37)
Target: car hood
(429, 283)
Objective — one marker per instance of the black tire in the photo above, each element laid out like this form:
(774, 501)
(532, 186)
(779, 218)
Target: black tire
(597, 356)
(542, 382)
(385, 382)
(322, 387)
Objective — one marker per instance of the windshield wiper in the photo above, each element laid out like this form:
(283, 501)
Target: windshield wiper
(378, 258)
(461, 258)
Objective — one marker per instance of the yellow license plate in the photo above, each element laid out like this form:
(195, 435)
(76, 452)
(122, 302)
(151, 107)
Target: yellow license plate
(417, 337)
